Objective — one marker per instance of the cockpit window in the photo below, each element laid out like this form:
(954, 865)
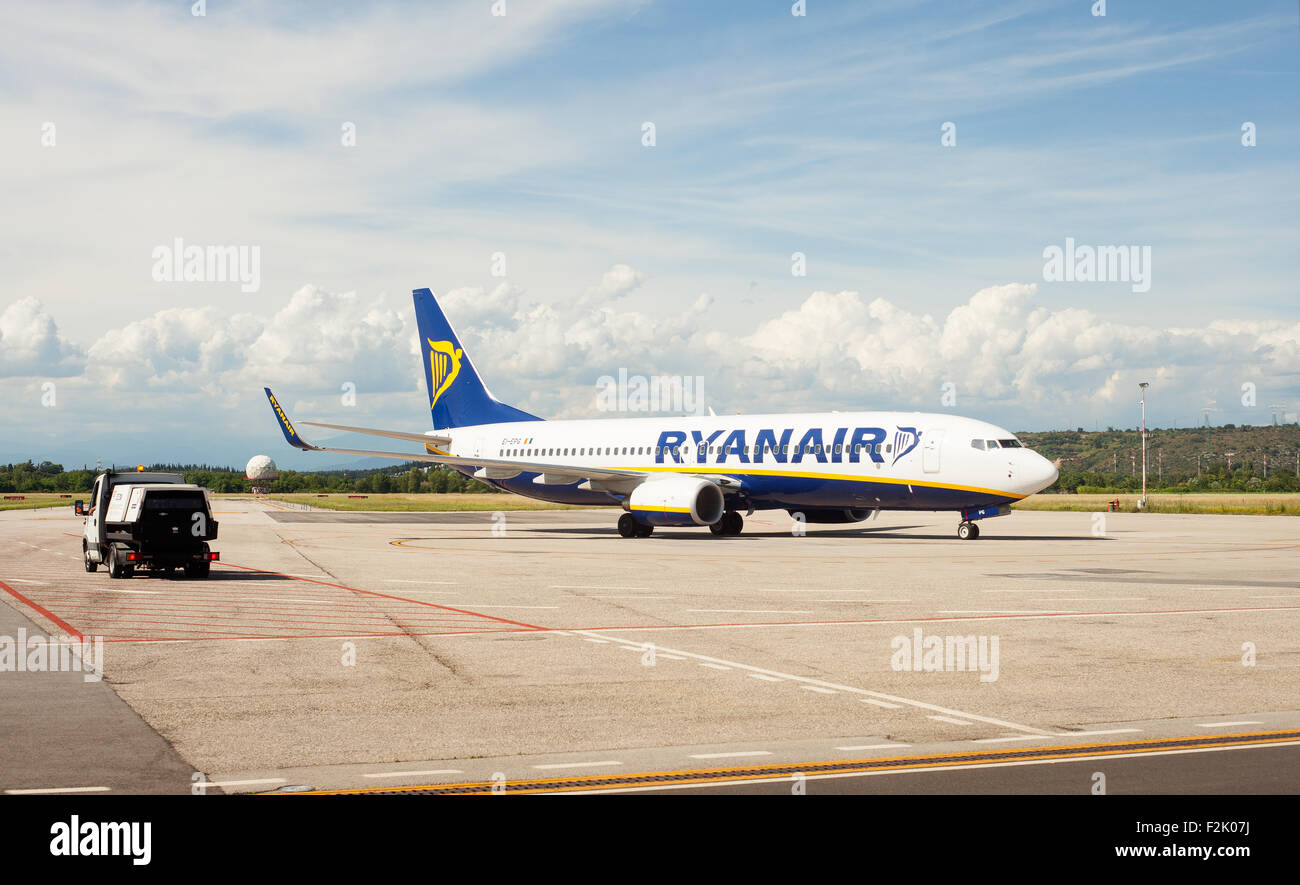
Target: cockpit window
(992, 443)
(1010, 443)
(977, 444)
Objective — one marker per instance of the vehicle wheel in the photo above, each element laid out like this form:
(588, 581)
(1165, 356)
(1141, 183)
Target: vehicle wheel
(644, 531)
(91, 565)
(732, 522)
(965, 531)
(115, 569)
(627, 525)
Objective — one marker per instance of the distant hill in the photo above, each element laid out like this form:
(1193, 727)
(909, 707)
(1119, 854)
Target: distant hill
(1113, 458)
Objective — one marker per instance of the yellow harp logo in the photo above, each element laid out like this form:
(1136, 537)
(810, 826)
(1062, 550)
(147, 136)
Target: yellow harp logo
(444, 366)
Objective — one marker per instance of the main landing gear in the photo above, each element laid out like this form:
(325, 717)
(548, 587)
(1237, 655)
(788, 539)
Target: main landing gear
(731, 523)
(628, 527)
(968, 531)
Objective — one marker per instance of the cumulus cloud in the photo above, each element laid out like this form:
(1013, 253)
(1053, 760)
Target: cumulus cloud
(30, 343)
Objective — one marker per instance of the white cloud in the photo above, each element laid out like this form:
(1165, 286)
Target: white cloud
(30, 343)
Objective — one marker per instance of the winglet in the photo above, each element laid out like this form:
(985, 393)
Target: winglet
(286, 426)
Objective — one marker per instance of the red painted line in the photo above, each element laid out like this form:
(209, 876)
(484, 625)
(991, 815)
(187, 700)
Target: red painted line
(314, 636)
(387, 596)
(44, 612)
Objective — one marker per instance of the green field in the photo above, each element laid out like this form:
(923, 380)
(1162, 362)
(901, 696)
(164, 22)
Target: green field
(1280, 504)
(33, 500)
(400, 502)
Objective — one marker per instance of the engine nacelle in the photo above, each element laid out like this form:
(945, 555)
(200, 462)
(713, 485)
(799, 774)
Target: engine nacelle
(676, 500)
(829, 516)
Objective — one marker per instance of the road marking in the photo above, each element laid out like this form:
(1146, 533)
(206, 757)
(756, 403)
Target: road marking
(880, 704)
(633, 596)
(715, 666)
(57, 790)
(950, 719)
(414, 773)
(819, 689)
(249, 783)
(1103, 731)
(24, 581)
(777, 676)
(730, 755)
(874, 747)
(552, 765)
(752, 611)
(589, 587)
(516, 606)
(1222, 724)
(120, 590)
(404, 581)
(589, 639)
(1019, 737)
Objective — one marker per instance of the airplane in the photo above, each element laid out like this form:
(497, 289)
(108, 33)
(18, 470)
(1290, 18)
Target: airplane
(823, 467)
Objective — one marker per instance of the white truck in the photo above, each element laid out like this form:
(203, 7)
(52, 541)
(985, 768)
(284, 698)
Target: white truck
(152, 521)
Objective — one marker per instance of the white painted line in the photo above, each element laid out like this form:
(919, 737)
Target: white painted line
(819, 689)
(57, 790)
(950, 719)
(1225, 724)
(633, 596)
(874, 747)
(516, 606)
(669, 657)
(24, 581)
(404, 581)
(751, 611)
(730, 755)
(715, 666)
(119, 590)
(777, 676)
(602, 641)
(249, 783)
(1102, 731)
(554, 765)
(1019, 737)
(880, 704)
(589, 587)
(1003, 611)
(414, 773)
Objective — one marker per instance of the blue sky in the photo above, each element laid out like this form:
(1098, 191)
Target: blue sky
(522, 134)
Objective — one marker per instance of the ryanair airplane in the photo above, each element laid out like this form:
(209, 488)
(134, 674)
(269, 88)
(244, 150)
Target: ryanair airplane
(836, 467)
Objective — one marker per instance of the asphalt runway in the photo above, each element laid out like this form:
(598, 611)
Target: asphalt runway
(527, 651)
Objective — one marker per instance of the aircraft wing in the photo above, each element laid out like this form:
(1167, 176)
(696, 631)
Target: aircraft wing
(487, 468)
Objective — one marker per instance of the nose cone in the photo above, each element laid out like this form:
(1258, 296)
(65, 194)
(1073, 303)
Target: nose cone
(1038, 474)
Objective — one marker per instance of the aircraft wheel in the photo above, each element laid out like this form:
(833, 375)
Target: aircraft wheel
(627, 525)
(967, 531)
(974, 530)
(644, 531)
(719, 528)
(732, 522)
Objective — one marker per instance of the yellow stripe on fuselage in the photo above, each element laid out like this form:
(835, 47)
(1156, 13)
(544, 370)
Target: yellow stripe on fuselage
(725, 470)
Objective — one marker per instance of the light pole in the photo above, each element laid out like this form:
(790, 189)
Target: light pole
(1144, 385)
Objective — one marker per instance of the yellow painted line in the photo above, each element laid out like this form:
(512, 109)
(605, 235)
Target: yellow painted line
(899, 763)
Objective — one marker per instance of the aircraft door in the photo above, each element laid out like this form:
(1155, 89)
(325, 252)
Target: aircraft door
(932, 442)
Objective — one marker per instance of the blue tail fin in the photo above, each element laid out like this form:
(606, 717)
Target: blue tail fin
(457, 397)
